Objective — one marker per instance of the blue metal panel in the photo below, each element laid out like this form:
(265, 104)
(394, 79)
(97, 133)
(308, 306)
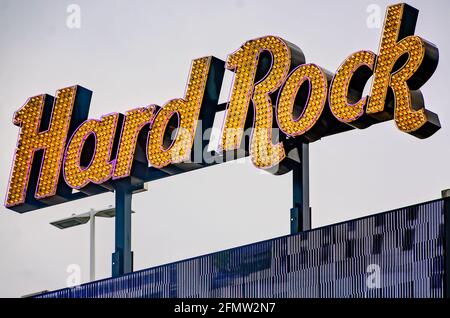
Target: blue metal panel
(406, 245)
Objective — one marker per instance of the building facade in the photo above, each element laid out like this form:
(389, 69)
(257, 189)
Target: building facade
(395, 254)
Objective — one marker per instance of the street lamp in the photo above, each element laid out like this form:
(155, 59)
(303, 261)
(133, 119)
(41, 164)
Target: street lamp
(75, 220)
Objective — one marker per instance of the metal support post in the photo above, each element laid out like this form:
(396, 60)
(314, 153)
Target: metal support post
(122, 259)
(301, 212)
(92, 246)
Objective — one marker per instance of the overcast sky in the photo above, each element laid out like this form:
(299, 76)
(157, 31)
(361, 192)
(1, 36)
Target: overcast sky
(136, 53)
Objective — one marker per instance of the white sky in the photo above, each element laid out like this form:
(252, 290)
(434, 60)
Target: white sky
(135, 53)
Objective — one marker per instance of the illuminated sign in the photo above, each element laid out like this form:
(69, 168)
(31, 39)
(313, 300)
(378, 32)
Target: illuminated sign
(293, 102)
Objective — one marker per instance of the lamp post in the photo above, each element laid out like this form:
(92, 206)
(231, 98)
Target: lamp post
(75, 220)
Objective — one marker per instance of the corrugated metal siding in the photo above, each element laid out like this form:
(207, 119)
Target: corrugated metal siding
(406, 245)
